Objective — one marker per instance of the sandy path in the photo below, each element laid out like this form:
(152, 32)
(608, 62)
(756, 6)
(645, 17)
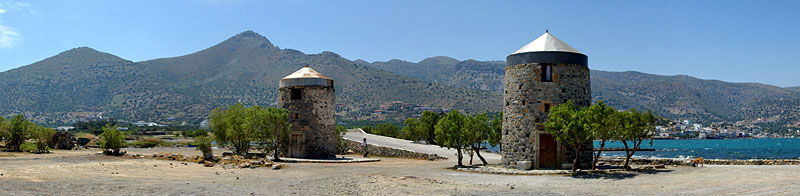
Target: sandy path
(83, 172)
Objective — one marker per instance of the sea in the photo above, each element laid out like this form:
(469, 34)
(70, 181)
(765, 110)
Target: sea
(757, 148)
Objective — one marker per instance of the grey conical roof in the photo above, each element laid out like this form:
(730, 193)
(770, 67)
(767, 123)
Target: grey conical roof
(547, 42)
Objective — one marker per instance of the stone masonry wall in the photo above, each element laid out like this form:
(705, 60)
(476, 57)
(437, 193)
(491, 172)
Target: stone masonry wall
(383, 151)
(316, 118)
(525, 96)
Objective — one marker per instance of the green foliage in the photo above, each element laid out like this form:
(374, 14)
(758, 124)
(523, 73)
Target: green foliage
(450, 133)
(111, 141)
(476, 131)
(634, 128)
(204, 145)
(148, 142)
(195, 133)
(228, 125)
(411, 130)
(496, 133)
(42, 136)
(238, 126)
(568, 124)
(427, 125)
(17, 133)
(602, 122)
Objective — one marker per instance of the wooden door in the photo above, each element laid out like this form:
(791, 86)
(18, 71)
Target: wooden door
(297, 148)
(548, 151)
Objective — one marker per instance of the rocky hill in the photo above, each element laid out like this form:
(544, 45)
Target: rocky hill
(245, 68)
(675, 97)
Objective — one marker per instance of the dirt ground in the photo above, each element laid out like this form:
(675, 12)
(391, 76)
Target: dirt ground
(86, 173)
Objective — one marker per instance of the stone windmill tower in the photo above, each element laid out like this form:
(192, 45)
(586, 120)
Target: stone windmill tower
(309, 97)
(539, 76)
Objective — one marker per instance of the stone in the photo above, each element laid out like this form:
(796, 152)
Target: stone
(277, 166)
(523, 165)
(209, 164)
(244, 165)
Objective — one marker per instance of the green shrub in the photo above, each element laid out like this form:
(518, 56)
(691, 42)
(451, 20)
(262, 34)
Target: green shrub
(146, 143)
(17, 133)
(42, 135)
(204, 145)
(111, 141)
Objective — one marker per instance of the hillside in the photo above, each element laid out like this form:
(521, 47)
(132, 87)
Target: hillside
(675, 97)
(244, 68)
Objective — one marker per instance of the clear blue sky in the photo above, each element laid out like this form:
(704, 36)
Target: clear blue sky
(736, 41)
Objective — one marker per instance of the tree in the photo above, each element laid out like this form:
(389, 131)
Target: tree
(635, 127)
(279, 128)
(600, 120)
(4, 125)
(42, 135)
(567, 124)
(112, 140)
(449, 133)
(257, 121)
(411, 130)
(228, 125)
(427, 126)
(496, 132)
(17, 133)
(204, 145)
(476, 131)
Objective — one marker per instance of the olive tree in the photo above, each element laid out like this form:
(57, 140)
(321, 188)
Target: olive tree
(634, 128)
(449, 133)
(601, 120)
(476, 131)
(229, 128)
(427, 126)
(568, 124)
(496, 132)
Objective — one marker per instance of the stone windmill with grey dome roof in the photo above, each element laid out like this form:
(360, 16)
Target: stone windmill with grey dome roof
(540, 75)
(310, 98)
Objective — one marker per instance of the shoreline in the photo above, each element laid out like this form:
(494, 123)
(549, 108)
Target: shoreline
(680, 161)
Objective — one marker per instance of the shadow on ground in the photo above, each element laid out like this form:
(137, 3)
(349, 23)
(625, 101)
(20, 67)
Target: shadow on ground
(617, 173)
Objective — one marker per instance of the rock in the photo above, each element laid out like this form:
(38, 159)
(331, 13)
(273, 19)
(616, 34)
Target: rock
(244, 165)
(209, 164)
(350, 152)
(277, 166)
(523, 165)
(662, 166)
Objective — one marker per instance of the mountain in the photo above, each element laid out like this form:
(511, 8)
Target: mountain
(674, 97)
(244, 68)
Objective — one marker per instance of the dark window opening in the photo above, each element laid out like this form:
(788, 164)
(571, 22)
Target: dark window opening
(547, 73)
(295, 115)
(546, 107)
(296, 94)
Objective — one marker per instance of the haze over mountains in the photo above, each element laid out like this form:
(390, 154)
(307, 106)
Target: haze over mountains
(247, 67)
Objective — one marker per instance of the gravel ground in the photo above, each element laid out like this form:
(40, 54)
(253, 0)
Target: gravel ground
(86, 173)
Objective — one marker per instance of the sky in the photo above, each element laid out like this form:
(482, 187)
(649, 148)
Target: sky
(734, 41)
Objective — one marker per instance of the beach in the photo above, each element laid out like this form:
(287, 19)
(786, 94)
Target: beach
(85, 172)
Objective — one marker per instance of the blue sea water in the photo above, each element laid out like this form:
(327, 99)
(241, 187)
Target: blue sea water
(764, 148)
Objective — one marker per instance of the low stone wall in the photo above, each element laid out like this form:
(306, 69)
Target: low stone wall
(639, 161)
(383, 151)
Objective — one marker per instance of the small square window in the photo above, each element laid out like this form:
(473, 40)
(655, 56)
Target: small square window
(546, 107)
(296, 94)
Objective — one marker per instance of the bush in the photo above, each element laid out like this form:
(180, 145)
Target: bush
(17, 133)
(146, 143)
(111, 141)
(42, 135)
(204, 145)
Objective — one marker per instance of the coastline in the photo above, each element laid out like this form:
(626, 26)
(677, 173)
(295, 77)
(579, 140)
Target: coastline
(688, 162)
